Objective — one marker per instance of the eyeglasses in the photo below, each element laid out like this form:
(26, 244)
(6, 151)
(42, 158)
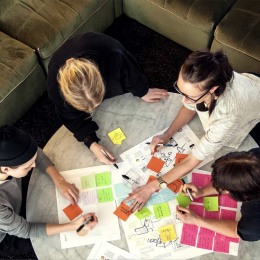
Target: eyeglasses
(193, 100)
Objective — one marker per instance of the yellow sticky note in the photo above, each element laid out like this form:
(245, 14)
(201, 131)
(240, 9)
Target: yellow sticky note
(117, 136)
(167, 233)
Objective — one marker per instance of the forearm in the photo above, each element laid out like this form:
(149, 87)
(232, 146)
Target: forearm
(53, 229)
(184, 117)
(209, 190)
(54, 174)
(221, 226)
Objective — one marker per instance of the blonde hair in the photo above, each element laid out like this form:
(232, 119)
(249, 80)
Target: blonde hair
(81, 84)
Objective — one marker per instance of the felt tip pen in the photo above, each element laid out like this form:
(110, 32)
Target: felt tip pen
(188, 191)
(85, 223)
(109, 158)
(125, 177)
(168, 145)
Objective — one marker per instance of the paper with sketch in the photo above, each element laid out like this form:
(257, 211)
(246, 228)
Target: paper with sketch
(91, 199)
(106, 250)
(139, 156)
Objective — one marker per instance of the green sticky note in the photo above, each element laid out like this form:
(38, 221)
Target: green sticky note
(105, 195)
(103, 179)
(143, 213)
(161, 210)
(183, 201)
(88, 182)
(210, 203)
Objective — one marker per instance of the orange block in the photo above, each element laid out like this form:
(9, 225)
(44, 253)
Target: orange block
(122, 212)
(180, 157)
(175, 186)
(72, 211)
(152, 178)
(155, 164)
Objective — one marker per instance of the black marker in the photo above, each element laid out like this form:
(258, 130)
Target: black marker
(125, 177)
(168, 145)
(86, 222)
(109, 158)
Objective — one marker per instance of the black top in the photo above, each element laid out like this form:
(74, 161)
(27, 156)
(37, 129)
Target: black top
(249, 225)
(119, 70)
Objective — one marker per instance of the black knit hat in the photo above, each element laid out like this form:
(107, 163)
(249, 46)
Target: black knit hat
(16, 146)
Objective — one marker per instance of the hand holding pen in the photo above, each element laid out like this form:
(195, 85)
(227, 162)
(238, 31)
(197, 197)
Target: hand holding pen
(85, 223)
(159, 141)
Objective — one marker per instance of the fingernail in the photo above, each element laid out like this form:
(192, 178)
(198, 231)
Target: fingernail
(132, 212)
(122, 203)
(138, 210)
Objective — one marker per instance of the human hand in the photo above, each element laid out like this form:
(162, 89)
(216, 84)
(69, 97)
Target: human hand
(186, 216)
(195, 191)
(159, 139)
(96, 149)
(155, 94)
(80, 221)
(68, 191)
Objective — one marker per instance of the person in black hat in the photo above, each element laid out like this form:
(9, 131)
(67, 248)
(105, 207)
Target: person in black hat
(19, 153)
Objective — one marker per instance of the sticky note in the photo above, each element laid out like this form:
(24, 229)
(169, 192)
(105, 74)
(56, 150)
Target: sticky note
(156, 199)
(89, 197)
(228, 214)
(103, 179)
(151, 178)
(221, 245)
(180, 157)
(117, 136)
(167, 195)
(210, 203)
(231, 239)
(175, 186)
(122, 212)
(201, 180)
(205, 242)
(143, 213)
(167, 233)
(189, 235)
(121, 190)
(105, 195)
(72, 211)
(226, 201)
(198, 209)
(88, 182)
(161, 210)
(184, 201)
(155, 164)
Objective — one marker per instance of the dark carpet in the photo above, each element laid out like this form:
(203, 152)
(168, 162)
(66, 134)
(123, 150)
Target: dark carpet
(160, 60)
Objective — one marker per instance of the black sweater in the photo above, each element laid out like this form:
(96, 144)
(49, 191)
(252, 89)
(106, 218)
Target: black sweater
(119, 70)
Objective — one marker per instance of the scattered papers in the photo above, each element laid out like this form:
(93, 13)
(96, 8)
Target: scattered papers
(121, 190)
(122, 212)
(180, 157)
(167, 233)
(88, 182)
(89, 197)
(210, 203)
(117, 136)
(72, 211)
(161, 210)
(105, 195)
(155, 164)
(143, 213)
(184, 201)
(103, 179)
(175, 186)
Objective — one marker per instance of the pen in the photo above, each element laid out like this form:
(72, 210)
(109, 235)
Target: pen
(109, 158)
(168, 145)
(86, 222)
(188, 191)
(125, 177)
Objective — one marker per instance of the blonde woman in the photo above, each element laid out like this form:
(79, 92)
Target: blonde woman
(86, 70)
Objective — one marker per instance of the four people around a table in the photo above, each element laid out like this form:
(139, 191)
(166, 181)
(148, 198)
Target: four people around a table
(93, 67)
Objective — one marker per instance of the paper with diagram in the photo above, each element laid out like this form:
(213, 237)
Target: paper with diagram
(96, 195)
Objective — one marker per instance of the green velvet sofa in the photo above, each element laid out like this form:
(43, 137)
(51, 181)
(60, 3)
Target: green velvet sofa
(32, 30)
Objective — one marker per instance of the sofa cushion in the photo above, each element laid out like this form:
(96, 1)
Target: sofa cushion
(45, 24)
(240, 28)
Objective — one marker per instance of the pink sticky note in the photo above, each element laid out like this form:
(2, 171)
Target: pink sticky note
(230, 239)
(201, 180)
(228, 214)
(197, 209)
(198, 200)
(211, 215)
(221, 245)
(207, 232)
(190, 228)
(189, 235)
(205, 242)
(226, 201)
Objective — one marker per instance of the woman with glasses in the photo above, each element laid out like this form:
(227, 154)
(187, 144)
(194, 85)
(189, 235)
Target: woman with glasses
(227, 103)
(86, 70)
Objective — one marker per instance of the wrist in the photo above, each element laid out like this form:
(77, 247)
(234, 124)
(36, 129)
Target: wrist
(198, 221)
(93, 146)
(154, 185)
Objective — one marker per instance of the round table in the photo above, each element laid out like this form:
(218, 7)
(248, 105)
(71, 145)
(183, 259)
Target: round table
(138, 120)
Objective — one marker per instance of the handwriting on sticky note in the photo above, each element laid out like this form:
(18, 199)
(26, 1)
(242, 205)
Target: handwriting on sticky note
(103, 179)
(198, 209)
(105, 195)
(210, 203)
(72, 211)
(161, 210)
(155, 164)
(117, 136)
(183, 201)
(205, 241)
(88, 182)
(201, 180)
(167, 233)
(189, 235)
(89, 197)
(175, 186)
(180, 157)
(143, 213)
(122, 212)
(228, 214)
(226, 201)
(221, 245)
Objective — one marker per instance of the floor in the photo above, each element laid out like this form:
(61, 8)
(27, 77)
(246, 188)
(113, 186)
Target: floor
(160, 60)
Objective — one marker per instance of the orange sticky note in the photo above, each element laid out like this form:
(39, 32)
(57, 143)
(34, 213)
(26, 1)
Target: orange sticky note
(152, 178)
(155, 164)
(122, 212)
(72, 211)
(175, 186)
(180, 157)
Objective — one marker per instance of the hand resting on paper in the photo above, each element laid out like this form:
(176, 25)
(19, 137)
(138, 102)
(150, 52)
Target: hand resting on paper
(155, 94)
(159, 139)
(96, 149)
(189, 216)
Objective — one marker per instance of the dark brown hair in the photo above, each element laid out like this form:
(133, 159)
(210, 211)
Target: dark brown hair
(213, 69)
(238, 173)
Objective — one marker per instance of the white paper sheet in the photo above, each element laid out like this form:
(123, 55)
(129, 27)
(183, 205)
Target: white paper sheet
(107, 228)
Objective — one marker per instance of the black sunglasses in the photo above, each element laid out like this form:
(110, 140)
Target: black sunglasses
(194, 100)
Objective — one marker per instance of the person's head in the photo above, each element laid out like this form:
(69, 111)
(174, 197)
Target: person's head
(18, 151)
(204, 76)
(81, 84)
(238, 174)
